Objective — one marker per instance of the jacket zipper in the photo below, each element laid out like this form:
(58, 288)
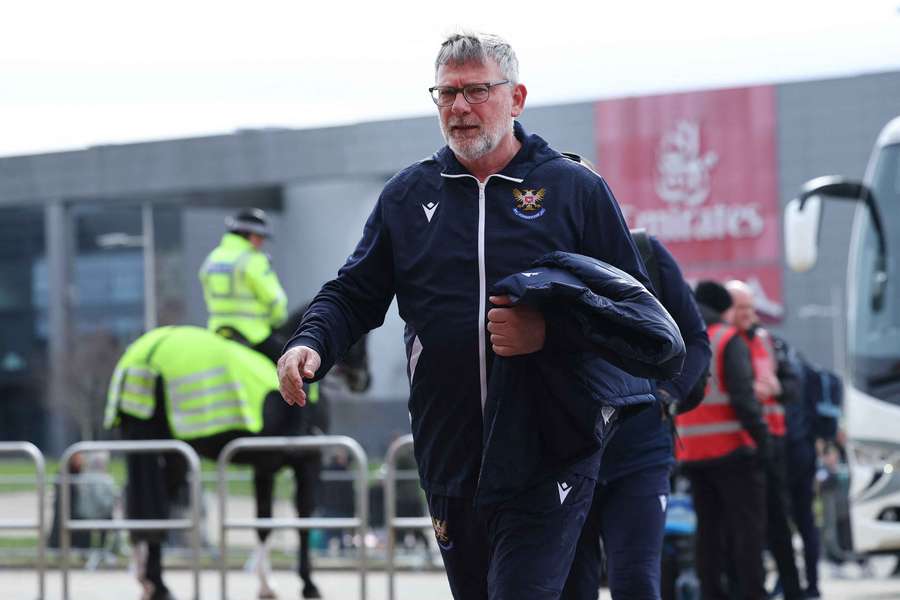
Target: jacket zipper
(482, 296)
(482, 279)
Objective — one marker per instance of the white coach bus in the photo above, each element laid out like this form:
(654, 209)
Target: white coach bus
(872, 380)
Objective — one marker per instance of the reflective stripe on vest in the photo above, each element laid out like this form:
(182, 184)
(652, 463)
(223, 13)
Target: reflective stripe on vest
(229, 269)
(136, 392)
(712, 430)
(132, 388)
(205, 402)
(212, 385)
(235, 299)
(694, 430)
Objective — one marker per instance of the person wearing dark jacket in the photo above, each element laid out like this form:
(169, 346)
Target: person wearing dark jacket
(485, 206)
(724, 442)
(629, 507)
(810, 416)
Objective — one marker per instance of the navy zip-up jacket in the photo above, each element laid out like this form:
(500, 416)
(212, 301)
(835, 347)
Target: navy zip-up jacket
(543, 414)
(438, 238)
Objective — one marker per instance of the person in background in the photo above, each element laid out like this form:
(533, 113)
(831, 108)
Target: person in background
(629, 506)
(243, 295)
(811, 418)
(723, 446)
(78, 539)
(771, 392)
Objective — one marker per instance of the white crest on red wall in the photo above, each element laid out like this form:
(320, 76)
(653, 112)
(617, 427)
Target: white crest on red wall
(683, 173)
(683, 181)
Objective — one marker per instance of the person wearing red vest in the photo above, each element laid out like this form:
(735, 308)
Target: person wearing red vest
(720, 449)
(768, 390)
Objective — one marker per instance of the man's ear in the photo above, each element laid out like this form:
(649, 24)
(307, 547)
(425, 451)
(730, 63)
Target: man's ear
(519, 94)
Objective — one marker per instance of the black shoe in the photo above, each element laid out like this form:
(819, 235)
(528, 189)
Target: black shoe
(812, 594)
(311, 591)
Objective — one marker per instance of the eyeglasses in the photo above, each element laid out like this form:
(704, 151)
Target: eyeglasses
(474, 93)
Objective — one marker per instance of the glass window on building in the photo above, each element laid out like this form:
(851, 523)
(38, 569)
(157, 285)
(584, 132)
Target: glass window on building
(106, 298)
(23, 354)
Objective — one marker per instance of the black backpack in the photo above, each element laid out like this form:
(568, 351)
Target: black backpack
(648, 256)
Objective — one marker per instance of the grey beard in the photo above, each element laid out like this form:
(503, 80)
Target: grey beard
(477, 148)
(474, 149)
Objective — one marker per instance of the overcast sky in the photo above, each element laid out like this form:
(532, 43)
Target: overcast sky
(88, 72)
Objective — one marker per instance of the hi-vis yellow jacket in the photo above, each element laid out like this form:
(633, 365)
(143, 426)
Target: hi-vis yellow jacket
(210, 384)
(241, 289)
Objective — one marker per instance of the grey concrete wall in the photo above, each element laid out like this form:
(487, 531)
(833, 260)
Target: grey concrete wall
(243, 159)
(322, 222)
(253, 158)
(567, 127)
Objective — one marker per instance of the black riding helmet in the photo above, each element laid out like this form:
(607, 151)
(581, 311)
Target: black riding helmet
(249, 220)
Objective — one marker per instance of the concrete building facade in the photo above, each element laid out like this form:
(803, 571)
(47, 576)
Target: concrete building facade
(98, 244)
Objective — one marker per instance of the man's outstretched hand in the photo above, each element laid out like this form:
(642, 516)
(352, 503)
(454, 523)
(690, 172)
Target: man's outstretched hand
(297, 363)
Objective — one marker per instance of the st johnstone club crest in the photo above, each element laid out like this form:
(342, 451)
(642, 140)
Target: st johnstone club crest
(528, 203)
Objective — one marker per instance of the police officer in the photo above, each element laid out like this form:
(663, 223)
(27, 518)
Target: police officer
(243, 296)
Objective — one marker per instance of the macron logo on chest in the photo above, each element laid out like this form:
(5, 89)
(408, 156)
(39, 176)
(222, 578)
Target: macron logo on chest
(429, 209)
(564, 489)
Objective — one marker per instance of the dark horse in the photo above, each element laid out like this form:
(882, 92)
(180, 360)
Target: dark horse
(154, 480)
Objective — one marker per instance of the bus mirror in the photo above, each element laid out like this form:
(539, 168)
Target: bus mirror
(801, 232)
(801, 226)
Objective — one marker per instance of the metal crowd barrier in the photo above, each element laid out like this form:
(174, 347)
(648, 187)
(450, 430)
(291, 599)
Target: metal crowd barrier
(391, 521)
(67, 525)
(360, 522)
(31, 450)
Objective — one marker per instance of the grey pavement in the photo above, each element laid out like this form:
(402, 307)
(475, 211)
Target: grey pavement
(847, 583)
(335, 585)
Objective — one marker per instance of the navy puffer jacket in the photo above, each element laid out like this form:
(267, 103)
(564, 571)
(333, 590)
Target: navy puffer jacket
(543, 410)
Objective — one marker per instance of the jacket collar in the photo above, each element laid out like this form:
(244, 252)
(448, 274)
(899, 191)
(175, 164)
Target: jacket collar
(233, 240)
(534, 152)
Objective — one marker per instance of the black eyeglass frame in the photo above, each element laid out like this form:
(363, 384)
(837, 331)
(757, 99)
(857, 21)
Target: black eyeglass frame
(456, 91)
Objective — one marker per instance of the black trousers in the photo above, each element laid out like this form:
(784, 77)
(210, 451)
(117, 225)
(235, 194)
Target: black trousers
(730, 503)
(801, 462)
(629, 513)
(153, 480)
(778, 525)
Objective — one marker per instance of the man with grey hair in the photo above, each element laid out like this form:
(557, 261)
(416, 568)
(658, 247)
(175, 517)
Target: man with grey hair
(485, 206)
(769, 391)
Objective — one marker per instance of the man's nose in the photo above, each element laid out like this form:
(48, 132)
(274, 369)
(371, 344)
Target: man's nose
(460, 105)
